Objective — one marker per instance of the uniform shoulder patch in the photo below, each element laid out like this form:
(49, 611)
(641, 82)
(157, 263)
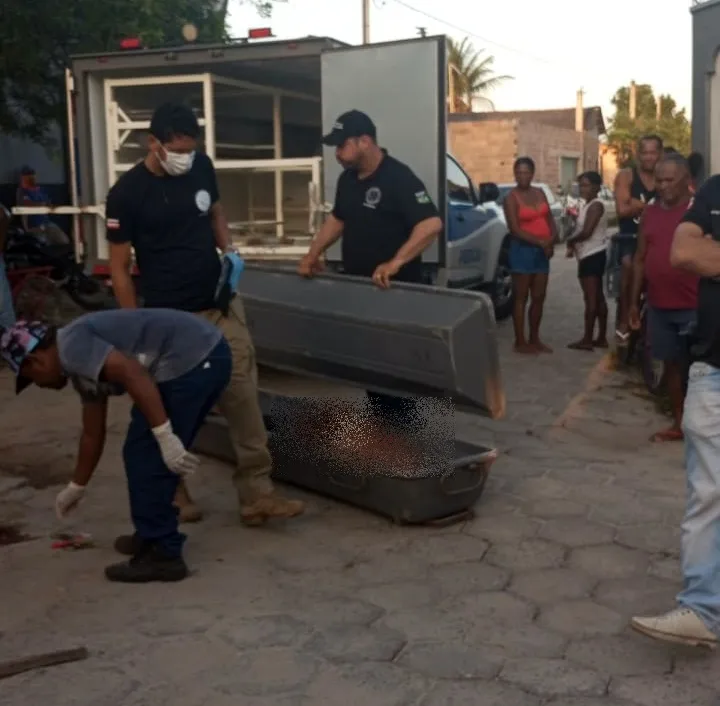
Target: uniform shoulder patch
(422, 197)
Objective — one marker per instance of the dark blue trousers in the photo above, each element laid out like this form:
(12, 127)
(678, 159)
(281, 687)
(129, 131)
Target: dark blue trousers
(151, 485)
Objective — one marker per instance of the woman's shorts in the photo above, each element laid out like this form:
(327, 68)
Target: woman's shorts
(526, 259)
(592, 265)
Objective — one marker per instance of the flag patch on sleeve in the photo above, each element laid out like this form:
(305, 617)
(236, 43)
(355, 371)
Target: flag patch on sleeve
(113, 224)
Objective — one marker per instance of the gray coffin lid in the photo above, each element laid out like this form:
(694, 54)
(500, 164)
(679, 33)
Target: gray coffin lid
(410, 339)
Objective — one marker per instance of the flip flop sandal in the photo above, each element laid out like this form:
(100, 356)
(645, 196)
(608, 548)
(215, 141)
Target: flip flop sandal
(667, 435)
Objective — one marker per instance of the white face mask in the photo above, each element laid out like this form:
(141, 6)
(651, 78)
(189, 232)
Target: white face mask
(177, 163)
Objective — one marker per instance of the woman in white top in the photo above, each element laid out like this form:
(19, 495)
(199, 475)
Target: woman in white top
(589, 244)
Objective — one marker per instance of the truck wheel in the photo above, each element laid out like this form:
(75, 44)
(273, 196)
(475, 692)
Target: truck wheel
(502, 292)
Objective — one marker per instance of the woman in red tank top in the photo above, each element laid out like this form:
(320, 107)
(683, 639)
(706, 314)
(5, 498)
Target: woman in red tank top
(533, 234)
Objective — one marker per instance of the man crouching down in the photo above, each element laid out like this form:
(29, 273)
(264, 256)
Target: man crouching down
(175, 367)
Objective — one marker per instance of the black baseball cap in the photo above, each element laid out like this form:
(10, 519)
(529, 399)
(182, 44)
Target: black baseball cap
(354, 123)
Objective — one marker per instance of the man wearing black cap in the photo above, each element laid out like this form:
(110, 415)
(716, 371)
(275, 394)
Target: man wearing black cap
(386, 220)
(167, 208)
(382, 210)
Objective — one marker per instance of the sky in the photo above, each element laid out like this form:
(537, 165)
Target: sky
(551, 49)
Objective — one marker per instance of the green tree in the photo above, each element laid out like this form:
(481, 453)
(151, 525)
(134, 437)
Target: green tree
(37, 38)
(672, 125)
(262, 7)
(474, 75)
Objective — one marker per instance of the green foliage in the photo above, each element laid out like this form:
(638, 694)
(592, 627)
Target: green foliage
(475, 75)
(673, 125)
(37, 38)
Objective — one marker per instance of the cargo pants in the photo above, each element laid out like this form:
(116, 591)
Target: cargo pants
(240, 406)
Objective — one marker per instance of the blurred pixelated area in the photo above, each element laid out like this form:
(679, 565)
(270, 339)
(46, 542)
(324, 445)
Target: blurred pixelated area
(371, 435)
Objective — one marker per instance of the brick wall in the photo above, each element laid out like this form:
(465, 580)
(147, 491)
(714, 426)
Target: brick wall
(547, 144)
(485, 148)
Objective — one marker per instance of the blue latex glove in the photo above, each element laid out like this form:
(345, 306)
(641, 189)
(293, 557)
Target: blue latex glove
(232, 269)
(236, 270)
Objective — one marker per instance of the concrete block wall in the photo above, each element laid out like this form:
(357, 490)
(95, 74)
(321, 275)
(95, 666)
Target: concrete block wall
(486, 149)
(547, 145)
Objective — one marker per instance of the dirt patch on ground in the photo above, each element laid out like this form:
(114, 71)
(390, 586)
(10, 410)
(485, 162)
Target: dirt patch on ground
(11, 534)
(41, 465)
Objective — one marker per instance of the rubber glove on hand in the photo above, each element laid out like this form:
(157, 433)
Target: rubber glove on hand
(68, 499)
(177, 458)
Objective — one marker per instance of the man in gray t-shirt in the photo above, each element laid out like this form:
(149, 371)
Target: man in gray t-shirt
(174, 366)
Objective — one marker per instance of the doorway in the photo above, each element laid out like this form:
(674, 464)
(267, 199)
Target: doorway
(568, 172)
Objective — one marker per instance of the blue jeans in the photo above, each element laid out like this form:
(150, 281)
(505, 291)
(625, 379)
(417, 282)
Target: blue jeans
(7, 312)
(151, 485)
(669, 330)
(526, 259)
(701, 526)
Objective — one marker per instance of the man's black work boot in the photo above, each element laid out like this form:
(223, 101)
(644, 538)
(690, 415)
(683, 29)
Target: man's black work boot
(129, 544)
(150, 564)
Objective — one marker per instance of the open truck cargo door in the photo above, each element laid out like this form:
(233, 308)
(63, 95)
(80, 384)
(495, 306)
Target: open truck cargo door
(410, 339)
(401, 86)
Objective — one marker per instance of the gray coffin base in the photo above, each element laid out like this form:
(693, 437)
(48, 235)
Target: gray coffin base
(318, 443)
(410, 339)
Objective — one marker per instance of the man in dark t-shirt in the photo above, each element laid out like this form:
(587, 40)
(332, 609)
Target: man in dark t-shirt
(696, 621)
(167, 208)
(382, 210)
(386, 220)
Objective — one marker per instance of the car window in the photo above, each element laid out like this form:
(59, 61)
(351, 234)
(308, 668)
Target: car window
(459, 186)
(504, 190)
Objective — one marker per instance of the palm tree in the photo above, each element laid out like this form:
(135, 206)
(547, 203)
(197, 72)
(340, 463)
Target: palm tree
(474, 75)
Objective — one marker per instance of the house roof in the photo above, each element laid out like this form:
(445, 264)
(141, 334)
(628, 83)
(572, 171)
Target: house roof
(562, 117)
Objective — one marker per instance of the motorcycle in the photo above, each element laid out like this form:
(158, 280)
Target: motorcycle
(31, 251)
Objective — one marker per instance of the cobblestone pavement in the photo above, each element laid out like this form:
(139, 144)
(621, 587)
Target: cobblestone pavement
(526, 605)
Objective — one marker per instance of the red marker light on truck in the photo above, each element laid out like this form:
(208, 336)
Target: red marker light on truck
(130, 43)
(260, 33)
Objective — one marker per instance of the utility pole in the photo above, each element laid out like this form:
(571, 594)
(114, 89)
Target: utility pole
(580, 124)
(633, 100)
(366, 21)
(422, 31)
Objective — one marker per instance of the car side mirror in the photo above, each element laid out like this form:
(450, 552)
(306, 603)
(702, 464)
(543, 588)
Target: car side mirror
(488, 192)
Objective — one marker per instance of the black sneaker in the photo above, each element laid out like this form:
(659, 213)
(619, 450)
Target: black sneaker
(149, 565)
(129, 544)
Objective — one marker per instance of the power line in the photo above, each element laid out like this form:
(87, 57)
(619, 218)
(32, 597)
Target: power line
(485, 40)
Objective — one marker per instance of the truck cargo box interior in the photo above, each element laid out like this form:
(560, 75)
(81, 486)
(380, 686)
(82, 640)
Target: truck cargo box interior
(261, 123)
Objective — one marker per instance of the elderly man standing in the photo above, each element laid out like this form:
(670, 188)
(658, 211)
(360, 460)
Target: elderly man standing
(168, 209)
(696, 620)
